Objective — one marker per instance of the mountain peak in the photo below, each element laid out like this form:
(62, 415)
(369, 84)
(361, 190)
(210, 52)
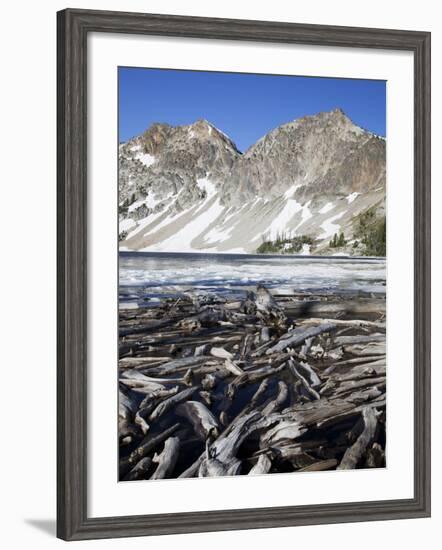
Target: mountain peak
(299, 177)
(337, 114)
(338, 111)
(203, 123)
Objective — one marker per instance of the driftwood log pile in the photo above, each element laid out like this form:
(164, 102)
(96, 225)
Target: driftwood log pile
(213, 387)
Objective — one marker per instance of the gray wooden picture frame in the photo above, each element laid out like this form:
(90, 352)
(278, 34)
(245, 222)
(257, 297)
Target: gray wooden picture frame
(73, 28)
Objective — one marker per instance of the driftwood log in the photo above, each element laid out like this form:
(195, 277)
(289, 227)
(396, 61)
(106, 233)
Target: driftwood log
(268, 383)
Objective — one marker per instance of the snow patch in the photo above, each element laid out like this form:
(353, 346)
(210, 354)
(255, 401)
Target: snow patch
(135, 205)
(350, 198)
(170, 218)
(326, 208)
(305, 215)
(143, 223)
(182, 239)
(127, 224)
(217, 234)
(279, 224)
(206, 185)
(151, 201)
(146, 159)
(329, 227)
(291, 190)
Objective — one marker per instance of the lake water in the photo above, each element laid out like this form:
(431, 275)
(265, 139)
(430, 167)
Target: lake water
(147, 277)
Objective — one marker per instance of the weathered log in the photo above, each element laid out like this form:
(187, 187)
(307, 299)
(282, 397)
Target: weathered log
(144, 380)
(171, 402)
(358, 339)
(148, 405)
(135, 362)
(248, 305)
(366, 395)
(375, 457)
(265, 334)
(262, 466)
(202, 420)
(292, 452)
(251, 377)
(246, 345)
(206, 396)
(312, 307)
(152, 325)
(192, 470)
(299, 335)
(212, 467)
(206, 318)
(135, 379)
(351, 412)
(295, 370)
(285, 431)
(220, 353)
(355, 374)
(352, 385)
(306, 347)
(362, 362)
(210, 381)
(322, 412)
(221, 455)
(181, 364)
(202, 350)
(361, 323)
(277, 403)
(253, 403)
(353, 454)
(370, 349)
(201, 298)
(146, 446)
(267, 307)
(223, 418)
(233, 367)
(261, 350)
(320, 466)
(308, 372)
(127, 407)
(140, 470)
(235, 304)
(166, 460)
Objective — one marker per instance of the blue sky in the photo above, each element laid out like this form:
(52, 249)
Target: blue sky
(244, 106)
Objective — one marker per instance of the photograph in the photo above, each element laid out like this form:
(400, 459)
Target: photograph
(252, 262)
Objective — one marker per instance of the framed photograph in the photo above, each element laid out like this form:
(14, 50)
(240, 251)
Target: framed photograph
(243, 274)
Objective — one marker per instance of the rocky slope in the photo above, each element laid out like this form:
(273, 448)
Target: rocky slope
(188, 188)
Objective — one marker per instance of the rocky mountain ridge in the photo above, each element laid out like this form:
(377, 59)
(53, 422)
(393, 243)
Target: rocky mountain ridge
(188, 188)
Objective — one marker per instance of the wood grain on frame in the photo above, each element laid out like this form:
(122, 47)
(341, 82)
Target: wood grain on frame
(73, 26)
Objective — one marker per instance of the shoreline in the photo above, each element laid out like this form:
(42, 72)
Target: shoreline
(313, 257)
